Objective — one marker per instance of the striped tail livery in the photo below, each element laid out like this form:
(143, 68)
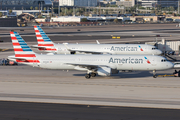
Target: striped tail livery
(44, 42)
(23, 53)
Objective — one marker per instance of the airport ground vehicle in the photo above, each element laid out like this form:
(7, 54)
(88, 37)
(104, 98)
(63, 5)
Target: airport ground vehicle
(176, 64)
(168, 20)
(4, 61)
(13, 63)
(176, 73)
(7, 62)
(103, 65)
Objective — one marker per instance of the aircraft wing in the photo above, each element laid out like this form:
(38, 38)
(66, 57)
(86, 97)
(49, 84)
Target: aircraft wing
(87, 66)
(84, 51)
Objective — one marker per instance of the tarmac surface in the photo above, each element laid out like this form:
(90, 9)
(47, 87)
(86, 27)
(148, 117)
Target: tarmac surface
(46, 111)
(131, 33)
(60, 94)
(85, 33)
(132, 89)
(43, 94)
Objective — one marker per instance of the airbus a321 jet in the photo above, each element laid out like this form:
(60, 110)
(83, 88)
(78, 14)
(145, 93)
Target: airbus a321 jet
(103, 65)
(45, 44)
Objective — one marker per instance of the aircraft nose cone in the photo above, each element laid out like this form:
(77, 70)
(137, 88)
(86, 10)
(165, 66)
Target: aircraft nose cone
(159, 52)
(170, 65)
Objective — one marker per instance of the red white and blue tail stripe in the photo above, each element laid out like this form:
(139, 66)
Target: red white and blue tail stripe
(44, 42)
(23, 52)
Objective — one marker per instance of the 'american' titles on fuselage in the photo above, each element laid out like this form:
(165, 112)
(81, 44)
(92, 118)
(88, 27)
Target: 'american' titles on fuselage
(123, 60)
(127, 48)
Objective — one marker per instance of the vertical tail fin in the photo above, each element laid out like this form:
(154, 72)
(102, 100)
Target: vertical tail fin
(23, 52)
(43, 40)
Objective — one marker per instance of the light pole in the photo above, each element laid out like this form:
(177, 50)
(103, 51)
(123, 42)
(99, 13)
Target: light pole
(59, 10)
(41, 6)
(178, 6)
(65, 11)
(52, 10)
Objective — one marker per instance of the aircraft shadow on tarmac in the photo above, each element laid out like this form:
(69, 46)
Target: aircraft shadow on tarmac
(134, 74)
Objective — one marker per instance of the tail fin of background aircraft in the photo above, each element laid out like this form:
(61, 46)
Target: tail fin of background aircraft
(44, 42)
(23, 52)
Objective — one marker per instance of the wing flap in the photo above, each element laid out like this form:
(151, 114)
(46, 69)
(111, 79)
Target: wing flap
(87, 66)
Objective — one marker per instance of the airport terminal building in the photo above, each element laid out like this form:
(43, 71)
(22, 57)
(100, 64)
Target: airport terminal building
(29, 4)
(155, 3)
(79, 3)
(24, 4)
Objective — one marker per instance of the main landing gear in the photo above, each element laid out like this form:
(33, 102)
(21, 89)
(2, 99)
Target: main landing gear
(154, 74)
(87, 76)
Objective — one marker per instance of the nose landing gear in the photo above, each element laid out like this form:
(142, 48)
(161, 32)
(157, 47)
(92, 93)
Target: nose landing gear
(154, 74)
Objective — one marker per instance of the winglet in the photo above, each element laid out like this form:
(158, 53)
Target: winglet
(65, 44)
(97, 42)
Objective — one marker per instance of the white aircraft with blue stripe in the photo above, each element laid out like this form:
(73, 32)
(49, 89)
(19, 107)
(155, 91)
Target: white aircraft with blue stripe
(45, 44)
(103, 65)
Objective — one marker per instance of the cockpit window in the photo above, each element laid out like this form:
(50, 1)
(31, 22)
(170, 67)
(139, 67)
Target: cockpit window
(163, 60)
(154, 48)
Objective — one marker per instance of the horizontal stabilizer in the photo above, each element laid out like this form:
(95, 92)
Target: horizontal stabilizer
(36, 46)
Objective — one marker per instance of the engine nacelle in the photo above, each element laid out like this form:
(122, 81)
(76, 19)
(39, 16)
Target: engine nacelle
(106, 71)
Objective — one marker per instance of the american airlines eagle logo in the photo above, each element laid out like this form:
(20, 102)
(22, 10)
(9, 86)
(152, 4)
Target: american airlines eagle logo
(140, 48)
(147, 60)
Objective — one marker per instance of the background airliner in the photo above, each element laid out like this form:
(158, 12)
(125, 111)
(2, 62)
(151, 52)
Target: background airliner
(103, 65)
(45, 44)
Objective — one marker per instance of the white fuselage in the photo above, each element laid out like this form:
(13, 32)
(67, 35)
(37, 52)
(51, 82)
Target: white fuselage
(118, 62)
(132, 49)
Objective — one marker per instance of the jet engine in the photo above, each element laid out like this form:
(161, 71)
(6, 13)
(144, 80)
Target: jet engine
(106, 71)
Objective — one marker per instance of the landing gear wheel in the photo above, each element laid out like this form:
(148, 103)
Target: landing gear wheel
(87, 76)
(154, 76)
(93, 74)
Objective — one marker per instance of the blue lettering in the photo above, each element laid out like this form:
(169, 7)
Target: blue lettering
(124, 61)
(127, 48)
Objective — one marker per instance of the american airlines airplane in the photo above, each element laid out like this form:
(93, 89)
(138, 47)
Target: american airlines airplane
(45, 44)
(103, 65)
